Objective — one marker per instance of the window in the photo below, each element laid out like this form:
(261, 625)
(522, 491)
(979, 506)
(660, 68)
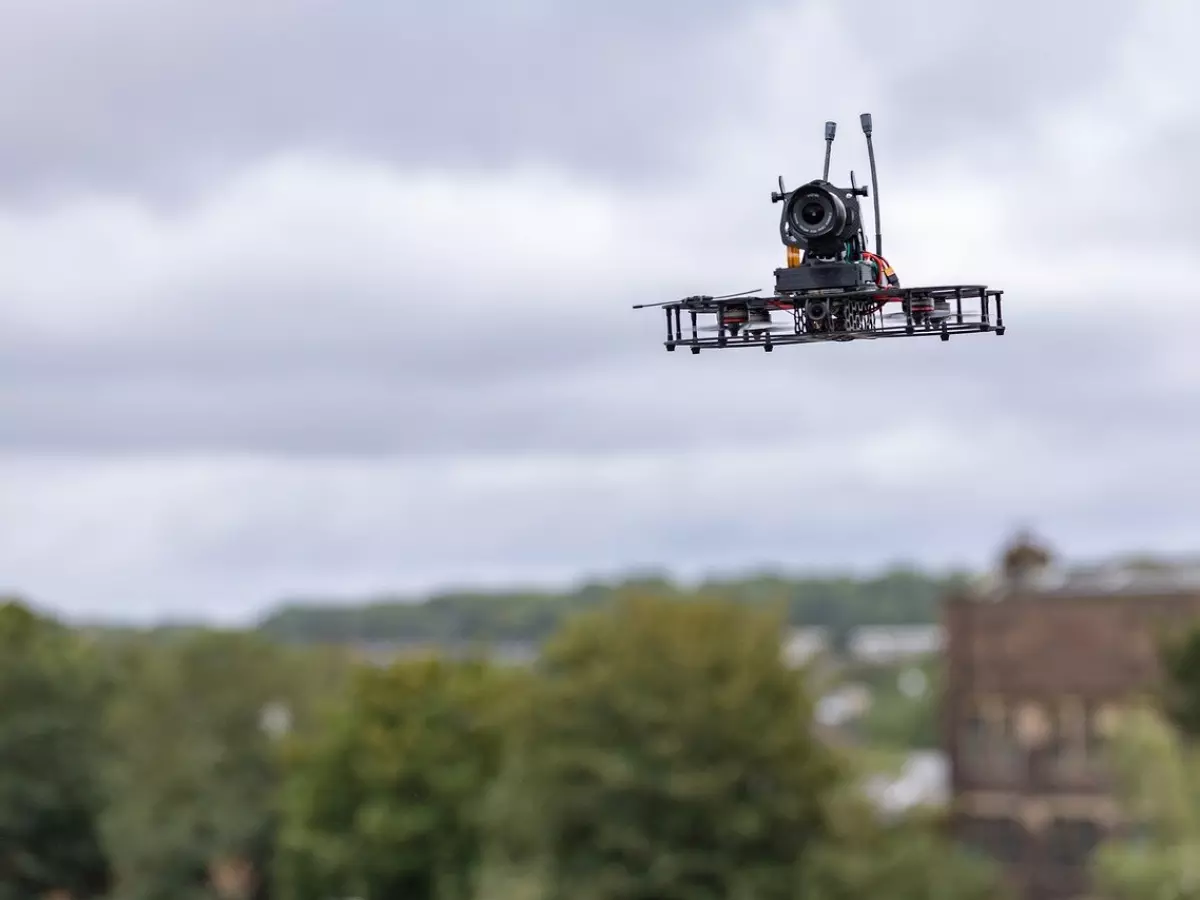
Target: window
(988, 745)
(973, 742)
(1007, 754)
(974, 734)
(1050, 760)
(1071, 751)
(1071, 842)
(999, 839)
(1095, 743)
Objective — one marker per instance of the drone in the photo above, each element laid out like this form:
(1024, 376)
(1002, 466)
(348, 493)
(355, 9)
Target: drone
(833, 288)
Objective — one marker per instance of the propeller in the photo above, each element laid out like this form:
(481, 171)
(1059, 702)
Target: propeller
(935, 315)
(700, 298)
(758, 322)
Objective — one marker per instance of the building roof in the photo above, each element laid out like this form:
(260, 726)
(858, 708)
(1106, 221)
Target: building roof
(1117, 579)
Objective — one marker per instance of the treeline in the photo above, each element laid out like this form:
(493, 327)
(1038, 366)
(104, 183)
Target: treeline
(1155, 756)
(840, 604)
(660, 748)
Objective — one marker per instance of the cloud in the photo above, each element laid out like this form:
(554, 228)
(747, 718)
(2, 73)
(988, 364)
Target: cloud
(321, 305)
(366, 351)
(150, 537)
(166, 100)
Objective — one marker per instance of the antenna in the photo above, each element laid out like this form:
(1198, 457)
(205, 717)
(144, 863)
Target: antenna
(865, 120)
(830, 133)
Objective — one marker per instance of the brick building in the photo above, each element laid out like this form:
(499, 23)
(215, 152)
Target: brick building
(1037, 665)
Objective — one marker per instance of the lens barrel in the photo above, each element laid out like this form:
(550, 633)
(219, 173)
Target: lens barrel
(819, 217)
(815, 211)
(816, 310)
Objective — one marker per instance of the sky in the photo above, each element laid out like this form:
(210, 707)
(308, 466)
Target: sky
(314, 299)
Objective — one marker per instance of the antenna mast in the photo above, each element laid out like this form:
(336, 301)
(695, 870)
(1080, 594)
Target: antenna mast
(865, 120)
(830, 132)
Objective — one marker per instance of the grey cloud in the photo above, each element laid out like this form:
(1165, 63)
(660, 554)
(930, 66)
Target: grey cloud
(167, 98)
(974, 78)
(228, 536)
(164, 96)
(1074, 379)
(1161, 169)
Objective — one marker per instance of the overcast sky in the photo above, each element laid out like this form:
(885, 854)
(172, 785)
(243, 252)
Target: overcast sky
(315, 298)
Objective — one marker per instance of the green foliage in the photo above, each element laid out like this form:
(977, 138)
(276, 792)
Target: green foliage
(899, 863)
(667, 753)
(1156, 761)
(896, 720)
(659, 750)
(192, 776)
(839, 603)
(900, 860)
(1180, 660)
(388, 801)
(1141, 871)
(49, 797)
(1158, 782)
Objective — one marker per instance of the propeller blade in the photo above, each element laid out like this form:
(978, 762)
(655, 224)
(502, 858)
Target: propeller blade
(701, 297)
(752, 329)
(755, 325)
(936, 322)
(761, 330)
(935, 315)
(949, 313)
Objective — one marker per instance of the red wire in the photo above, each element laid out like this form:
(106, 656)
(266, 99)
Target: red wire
(880, 265)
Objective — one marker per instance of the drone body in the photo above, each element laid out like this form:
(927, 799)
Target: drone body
(833, 288)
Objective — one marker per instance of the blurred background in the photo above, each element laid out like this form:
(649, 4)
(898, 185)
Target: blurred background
(363, 542)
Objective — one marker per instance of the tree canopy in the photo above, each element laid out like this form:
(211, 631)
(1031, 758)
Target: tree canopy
(50, 747)
(668, 753)
(659, 748)
(387, 801)
(839, 603)
(1158, 779)
(900, 859)
(1155, 756)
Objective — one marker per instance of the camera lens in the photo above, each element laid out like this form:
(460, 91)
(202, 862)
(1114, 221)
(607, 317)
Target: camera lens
(812, 213)
(819, 217)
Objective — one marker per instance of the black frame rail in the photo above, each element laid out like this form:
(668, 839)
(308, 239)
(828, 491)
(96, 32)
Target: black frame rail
(939, 311)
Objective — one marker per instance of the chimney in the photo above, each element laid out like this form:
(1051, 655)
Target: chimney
(1023, 561)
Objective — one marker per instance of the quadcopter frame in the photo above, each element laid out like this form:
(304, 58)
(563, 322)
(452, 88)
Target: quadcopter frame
(925, 311)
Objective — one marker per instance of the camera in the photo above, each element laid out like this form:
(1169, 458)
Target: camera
(822, 227)
(820, 218)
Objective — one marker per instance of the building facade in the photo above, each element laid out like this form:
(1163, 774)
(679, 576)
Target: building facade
(1037, 671)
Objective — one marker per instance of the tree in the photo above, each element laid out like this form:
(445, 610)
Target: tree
(1180, 693)
(905, 859)
(194, 771)
(666, 752)
(50, 690)
(387, 801)
(1156, 762)
(1158, 781)
(900, 596)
